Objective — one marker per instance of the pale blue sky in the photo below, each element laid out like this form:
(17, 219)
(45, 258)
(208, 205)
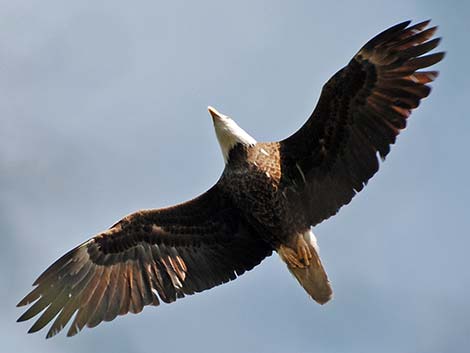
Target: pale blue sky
(103, 111)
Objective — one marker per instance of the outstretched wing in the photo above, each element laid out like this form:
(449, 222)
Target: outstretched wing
(148, 256)
(361, 110)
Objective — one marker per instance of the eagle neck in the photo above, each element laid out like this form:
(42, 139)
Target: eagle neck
(238, 154)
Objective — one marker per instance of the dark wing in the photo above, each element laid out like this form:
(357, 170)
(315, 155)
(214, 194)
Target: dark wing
(361, 110)
(148, 256)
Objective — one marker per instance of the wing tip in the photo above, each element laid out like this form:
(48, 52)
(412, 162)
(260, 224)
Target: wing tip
(51, 334)
(22, 303)
(34, 328)
(24, 317)
(396, 30)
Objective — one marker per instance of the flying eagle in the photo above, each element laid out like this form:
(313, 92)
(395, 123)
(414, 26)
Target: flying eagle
(269, 196)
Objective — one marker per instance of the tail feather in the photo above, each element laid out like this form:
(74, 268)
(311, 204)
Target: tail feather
(313, 278)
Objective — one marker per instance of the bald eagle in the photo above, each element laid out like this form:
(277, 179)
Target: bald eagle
(269, 196)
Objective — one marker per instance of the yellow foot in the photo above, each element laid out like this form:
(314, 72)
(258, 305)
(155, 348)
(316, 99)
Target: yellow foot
(289, 256)
(300, 257)
(304, 253)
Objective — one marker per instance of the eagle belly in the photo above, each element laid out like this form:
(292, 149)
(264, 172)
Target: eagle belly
(252, 178)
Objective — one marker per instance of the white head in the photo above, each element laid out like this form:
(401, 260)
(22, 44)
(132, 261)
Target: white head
(228, 132)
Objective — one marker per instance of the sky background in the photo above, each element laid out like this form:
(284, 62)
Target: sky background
(103, 112)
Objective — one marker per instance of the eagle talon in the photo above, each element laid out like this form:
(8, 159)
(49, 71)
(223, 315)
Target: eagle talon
(290, 257)
(303, 251)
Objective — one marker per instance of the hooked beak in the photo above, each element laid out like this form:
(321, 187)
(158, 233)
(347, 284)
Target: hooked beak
(214, 113)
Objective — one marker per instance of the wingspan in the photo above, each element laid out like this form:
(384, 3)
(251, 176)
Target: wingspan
(146, 257)
(361, 110)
